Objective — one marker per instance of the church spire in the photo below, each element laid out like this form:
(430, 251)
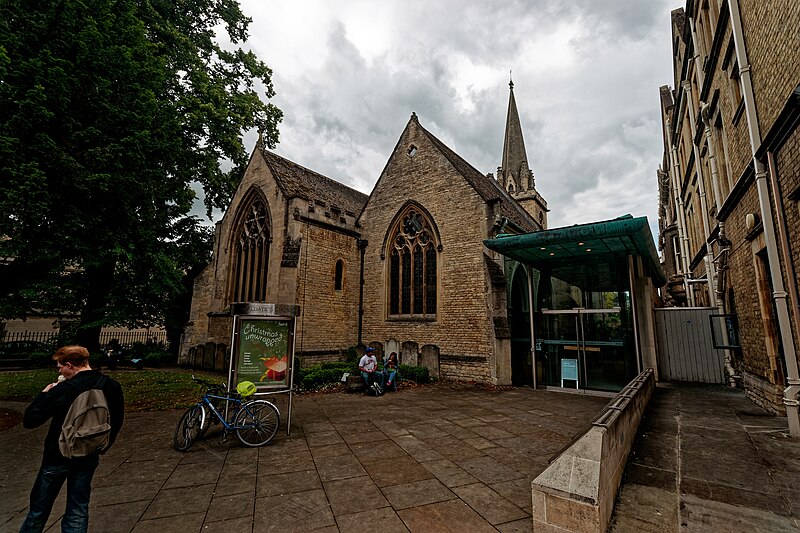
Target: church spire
(516, 173)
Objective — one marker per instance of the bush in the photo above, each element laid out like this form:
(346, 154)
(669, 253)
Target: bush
(417, 374)
(159, 359)
(41, 358)
(351, 356)
(316, 376)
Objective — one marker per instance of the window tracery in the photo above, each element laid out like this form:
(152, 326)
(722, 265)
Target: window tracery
(251, 253)
(413, 266)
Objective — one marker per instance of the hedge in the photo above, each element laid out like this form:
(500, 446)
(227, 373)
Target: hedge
(316, 376)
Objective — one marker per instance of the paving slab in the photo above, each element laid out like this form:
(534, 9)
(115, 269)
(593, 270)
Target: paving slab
(489, 504)
(384, 520)
(453, 516)
(707, 459)
(417, 493)
(735, 471)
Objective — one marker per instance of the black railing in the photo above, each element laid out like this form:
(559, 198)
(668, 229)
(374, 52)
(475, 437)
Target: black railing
(123, 338)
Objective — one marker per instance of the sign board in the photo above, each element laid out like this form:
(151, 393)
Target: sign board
(569, 371)
(263, 351)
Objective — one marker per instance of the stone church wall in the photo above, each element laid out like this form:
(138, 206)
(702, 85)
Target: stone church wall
(211, 286)
(196, 329)
(463, 327)
(328, 318)
(281, 282)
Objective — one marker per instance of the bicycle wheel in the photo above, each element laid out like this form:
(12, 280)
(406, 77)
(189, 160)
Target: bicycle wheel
(189, 428)
(257, 422)
(210, 418)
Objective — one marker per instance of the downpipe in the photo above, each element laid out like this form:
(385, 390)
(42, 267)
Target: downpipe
(681, 218)
(790, 394)
(721, 259)
(779, 293)
(725, 245)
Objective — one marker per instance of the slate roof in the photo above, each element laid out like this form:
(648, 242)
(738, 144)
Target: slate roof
(297, 181)
(487, 188)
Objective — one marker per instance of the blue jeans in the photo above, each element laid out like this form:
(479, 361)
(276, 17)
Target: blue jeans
(390, 375)
(374, 377)
(78, 475)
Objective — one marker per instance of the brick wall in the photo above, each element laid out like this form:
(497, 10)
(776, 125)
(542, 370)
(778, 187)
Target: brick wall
(773, 53)
(773, 49)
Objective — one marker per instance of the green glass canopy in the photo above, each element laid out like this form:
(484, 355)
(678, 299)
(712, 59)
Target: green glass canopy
(584, 245)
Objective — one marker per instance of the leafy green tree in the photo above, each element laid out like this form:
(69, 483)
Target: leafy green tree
(109, 111)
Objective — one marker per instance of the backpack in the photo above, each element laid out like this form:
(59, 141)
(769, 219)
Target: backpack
(87, 425)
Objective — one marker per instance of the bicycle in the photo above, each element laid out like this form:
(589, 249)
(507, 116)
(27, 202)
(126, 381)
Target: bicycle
(254, 421)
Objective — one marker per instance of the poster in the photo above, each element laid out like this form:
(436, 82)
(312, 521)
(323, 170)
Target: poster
(263, 352)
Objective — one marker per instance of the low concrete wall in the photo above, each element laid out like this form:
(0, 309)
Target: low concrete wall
(576, 492)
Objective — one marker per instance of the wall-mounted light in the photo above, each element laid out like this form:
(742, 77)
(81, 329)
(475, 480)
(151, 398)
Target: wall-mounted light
(751, 221)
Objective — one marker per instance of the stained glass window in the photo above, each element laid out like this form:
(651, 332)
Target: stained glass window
(251, 253)
(412, 266)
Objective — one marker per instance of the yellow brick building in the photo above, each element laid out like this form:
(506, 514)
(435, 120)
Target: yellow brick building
(730, 184)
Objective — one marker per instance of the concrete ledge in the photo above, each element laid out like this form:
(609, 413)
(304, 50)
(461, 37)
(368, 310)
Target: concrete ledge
(355, 383)
(576, 492)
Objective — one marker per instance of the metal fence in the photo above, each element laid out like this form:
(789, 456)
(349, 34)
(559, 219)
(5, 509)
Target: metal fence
(123, 338)
(686, 347)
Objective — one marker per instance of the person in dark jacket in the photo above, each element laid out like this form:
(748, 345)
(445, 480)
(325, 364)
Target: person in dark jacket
(76, 376)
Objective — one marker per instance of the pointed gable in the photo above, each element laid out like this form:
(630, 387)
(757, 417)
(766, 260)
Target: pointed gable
(487, 188)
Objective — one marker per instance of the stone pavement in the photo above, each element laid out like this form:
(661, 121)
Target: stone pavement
(437, 458)
(707, 459)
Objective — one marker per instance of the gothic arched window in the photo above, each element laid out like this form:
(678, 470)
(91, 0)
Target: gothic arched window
(413, 261)
(250, 252)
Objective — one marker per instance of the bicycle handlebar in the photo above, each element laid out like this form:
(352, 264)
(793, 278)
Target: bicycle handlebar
(209, 385)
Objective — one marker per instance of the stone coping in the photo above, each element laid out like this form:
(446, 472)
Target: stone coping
(576, 491)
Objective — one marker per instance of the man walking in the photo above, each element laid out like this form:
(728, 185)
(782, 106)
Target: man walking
(54, 402)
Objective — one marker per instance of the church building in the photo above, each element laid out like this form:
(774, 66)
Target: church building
(404, 269)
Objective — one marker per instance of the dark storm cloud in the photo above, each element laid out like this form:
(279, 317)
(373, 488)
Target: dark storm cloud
(586, 79)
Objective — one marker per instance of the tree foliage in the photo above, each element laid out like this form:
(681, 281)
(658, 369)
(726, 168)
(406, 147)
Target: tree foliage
(109, 112)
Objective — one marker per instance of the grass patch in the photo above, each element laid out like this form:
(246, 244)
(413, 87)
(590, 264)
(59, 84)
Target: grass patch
(144, 390)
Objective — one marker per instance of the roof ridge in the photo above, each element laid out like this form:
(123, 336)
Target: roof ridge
(456, 160)
(298, 181)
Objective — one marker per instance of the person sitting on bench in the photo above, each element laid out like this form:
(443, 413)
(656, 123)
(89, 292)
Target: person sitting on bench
(390, 371)
(368, 365)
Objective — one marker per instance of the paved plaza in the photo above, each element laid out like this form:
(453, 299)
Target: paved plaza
(439, 458)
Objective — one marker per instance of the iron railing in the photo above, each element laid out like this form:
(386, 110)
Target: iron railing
(123, 338)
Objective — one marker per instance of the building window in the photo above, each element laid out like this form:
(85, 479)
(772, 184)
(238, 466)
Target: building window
(676, 248)
(251, 252)
(723, 162)
(338, 276)
(413, 266)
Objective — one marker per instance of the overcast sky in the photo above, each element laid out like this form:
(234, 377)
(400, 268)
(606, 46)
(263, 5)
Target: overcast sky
(586, 73)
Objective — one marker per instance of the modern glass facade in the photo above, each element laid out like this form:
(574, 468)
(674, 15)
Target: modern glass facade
(584, 333)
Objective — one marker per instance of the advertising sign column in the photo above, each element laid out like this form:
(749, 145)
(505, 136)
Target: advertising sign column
(263, 353)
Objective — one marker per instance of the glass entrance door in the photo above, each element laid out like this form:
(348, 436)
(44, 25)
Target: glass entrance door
(585, 349)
